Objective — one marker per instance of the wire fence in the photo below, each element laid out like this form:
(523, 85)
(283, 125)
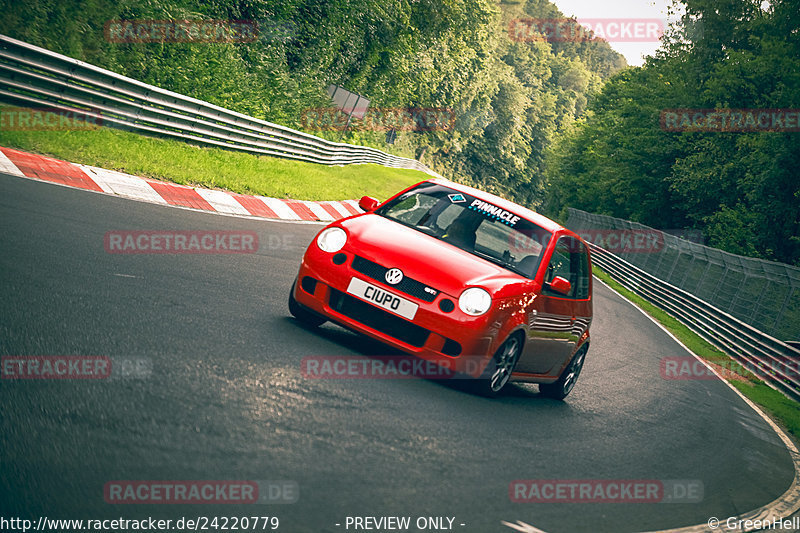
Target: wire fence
(770, 360)
(762, 294)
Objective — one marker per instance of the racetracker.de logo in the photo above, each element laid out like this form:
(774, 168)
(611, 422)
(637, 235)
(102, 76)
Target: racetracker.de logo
(613, 30)
(386, 367)
(181, 31)
(48, 119)
(201, 492)
(417, 119)
(389, 367)
(688, 368)
(55, 367)
(606, 491)
(181, 242)
(625, 241)
(730, 120)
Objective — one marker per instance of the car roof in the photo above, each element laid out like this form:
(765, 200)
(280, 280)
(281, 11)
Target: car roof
(517, 209)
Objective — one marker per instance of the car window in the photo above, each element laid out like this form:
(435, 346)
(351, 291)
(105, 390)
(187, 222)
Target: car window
(412, 209)
(492, 237)
(570, 260)
(581, 265)
(559, 262)
(448, 215)
(478, 227)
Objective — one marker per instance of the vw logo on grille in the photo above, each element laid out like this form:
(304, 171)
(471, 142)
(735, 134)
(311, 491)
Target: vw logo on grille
(393, 276)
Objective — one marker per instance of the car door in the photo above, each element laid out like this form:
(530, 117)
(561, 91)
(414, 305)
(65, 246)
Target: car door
(557, 320)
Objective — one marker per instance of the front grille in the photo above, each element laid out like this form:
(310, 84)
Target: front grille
(378, 319)
(408, 286)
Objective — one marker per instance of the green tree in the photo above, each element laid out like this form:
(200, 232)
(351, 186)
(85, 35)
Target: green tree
(740, 188)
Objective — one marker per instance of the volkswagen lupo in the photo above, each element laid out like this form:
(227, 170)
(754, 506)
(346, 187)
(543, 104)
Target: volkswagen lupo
(460, 277)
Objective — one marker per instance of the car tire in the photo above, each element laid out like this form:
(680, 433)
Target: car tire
(302, 314)
(560, 389)
(498, 372)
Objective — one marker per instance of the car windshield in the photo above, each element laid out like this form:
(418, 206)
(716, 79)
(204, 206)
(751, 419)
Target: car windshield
(471, 224)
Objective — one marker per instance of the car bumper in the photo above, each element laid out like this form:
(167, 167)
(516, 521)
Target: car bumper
(459, 342)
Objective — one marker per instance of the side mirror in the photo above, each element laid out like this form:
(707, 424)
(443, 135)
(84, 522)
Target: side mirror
(560, 285)
(368, 203)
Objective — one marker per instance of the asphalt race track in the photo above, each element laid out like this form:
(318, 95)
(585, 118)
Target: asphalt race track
(225, 398)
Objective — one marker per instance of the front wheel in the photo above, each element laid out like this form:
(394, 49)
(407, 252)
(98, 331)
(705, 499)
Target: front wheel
(560, 388)
(302, 314)
(498, 373)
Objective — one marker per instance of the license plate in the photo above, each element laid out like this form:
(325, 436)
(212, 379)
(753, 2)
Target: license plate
(381, 298)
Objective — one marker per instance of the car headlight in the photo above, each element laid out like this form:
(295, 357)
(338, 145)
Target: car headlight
(332, 240)
(474, 301)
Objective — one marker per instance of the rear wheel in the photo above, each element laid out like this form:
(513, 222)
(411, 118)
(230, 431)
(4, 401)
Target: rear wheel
(302, 314)
(498, 373)
(560, 388)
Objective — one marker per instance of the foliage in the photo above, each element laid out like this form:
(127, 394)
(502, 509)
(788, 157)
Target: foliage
(740, 188)
(509, 98)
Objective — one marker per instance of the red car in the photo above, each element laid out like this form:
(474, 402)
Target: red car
(454, 275)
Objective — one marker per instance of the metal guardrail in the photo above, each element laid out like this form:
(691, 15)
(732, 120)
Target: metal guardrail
(34, 76)
(773, 361)
(764, 294)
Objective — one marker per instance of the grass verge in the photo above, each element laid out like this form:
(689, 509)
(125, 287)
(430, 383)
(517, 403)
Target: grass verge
(172, 160)
(783, 410)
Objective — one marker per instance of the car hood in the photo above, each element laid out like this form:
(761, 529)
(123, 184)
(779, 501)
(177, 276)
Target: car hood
(425, 258)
